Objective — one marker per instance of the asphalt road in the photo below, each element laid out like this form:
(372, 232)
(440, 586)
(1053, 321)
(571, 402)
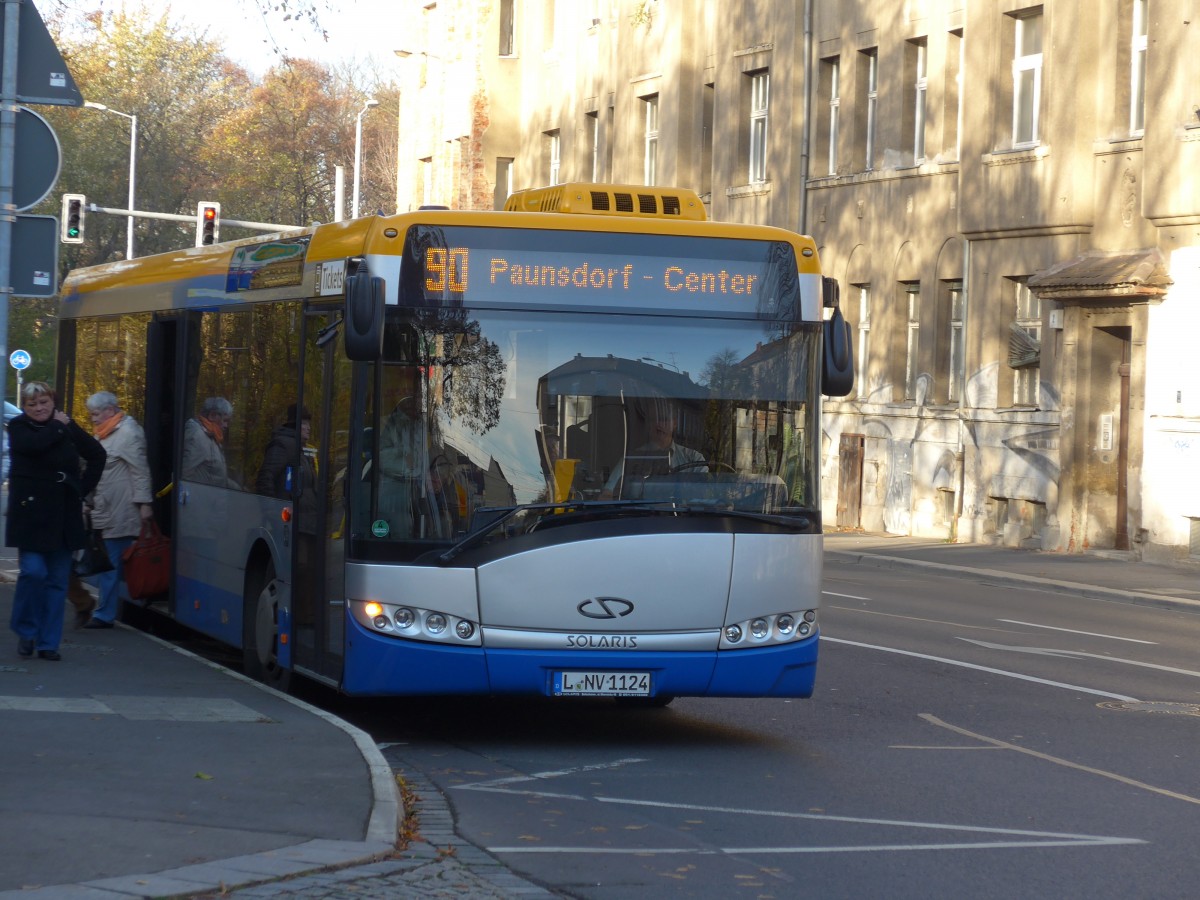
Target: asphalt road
(964, 741)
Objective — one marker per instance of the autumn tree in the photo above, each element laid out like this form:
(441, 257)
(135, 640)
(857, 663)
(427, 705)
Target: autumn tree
(180, 88)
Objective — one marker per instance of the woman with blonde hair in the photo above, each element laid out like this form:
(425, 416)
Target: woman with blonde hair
(53, 464)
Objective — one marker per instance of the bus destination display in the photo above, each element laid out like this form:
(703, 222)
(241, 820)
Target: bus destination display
(483, 267)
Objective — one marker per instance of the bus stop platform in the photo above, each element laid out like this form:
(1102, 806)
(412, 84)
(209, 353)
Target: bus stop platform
(132, 768)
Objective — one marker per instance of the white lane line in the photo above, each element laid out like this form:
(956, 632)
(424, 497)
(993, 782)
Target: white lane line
(875, 612)
(1111, 637)
(847, 596)
(140, 708)
(989, 669)
(864, 848)
(1008, 838)
(55, 704)
(501, 785)
(1079, 654)
(1058, 761)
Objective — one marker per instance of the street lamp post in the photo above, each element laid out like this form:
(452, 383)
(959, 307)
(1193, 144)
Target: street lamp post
(132, 168)
(358, 154)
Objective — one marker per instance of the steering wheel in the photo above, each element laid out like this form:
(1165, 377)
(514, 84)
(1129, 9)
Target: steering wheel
(711, 464)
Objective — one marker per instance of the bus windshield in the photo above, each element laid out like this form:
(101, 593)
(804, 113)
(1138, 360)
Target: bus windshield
(471, 413)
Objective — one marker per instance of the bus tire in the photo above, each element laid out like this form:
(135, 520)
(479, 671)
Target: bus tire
(260, 632)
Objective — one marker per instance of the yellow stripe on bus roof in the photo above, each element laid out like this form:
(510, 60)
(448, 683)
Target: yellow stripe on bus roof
(383, 235)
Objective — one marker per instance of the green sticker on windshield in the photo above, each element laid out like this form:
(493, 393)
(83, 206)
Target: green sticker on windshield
(380, 528)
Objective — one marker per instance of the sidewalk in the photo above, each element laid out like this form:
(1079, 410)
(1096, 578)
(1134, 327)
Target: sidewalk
(1101, 575)
(134, 769)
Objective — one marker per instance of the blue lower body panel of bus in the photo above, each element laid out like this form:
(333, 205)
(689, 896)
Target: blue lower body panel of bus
(383, 666)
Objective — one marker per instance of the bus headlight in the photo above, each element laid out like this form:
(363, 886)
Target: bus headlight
(778, 628)
(414, 623)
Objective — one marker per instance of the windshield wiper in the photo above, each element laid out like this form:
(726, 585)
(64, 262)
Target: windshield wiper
(619, 507)
(800, 520)
(476, 537)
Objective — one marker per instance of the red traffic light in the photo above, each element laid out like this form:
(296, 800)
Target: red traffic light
(208, 223)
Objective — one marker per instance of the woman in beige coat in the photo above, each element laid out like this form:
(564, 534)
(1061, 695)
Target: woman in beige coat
(122, 500)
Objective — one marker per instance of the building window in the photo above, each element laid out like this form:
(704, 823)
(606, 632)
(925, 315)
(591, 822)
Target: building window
(918, 55)
(868, 109)
(506, 27)
(593, 127)
(1137, 67)
(553, 156)
(504, 173)
(650, 160)
(954, 386)
(912, 362)
(864, 337)
(1026, 353)
(954, 91)
(1027, 77)
(831, 90)
(760, 84)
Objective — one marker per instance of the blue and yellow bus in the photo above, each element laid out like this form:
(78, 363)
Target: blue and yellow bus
(569, 448)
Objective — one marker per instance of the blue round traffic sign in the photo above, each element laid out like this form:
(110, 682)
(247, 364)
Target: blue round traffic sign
(19, 359)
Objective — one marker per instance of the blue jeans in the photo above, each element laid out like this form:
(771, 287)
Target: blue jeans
(109, 583)
(40, 596)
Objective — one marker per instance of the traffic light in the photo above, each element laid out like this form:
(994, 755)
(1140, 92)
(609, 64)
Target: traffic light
(72, 218)
(208, 223)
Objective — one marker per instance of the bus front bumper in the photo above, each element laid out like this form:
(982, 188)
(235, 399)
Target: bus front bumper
(385, 666)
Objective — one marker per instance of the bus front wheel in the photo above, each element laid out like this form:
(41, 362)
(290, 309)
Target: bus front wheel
(260, 651)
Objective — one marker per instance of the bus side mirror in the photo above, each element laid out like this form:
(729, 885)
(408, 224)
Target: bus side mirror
(363, 336)
(837, 357)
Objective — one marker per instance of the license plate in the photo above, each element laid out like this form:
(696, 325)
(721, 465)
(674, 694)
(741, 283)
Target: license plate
(601, 684)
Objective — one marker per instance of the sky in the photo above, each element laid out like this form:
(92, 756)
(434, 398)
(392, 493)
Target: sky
(366, 30)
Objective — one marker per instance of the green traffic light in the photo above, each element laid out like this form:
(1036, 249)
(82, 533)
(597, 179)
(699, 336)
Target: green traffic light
(73, 231)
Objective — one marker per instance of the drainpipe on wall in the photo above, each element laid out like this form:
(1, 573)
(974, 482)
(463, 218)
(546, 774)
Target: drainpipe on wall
(960, 453)
(804, 138)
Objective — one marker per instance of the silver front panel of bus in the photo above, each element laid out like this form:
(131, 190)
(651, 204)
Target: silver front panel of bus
(635, 584)
(774, 573)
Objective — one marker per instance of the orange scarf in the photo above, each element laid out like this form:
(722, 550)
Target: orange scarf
(214, 429)
(108, 426)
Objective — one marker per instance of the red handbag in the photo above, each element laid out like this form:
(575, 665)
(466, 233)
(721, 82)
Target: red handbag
(146, 563)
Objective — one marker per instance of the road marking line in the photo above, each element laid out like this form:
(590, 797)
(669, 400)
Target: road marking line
(140, 708)
(500, 785)
(1079, 654)
(989, 669)
(1174, 795)
(847, 596)
(865, 848)
(873, 612)
(1111, 637)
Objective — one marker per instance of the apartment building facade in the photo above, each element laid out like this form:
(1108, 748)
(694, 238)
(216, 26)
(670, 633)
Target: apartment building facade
(1005, 191)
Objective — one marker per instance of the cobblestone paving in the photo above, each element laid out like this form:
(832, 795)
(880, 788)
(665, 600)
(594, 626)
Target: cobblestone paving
(438, 864)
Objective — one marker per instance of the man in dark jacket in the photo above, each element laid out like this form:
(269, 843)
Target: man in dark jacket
(287, 471)
(54, 463)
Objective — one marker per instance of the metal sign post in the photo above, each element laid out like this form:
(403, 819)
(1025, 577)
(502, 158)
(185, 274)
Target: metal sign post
(40, 77)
